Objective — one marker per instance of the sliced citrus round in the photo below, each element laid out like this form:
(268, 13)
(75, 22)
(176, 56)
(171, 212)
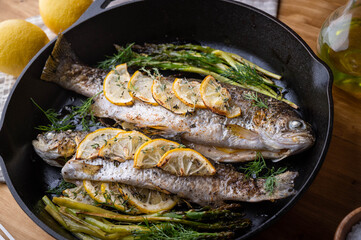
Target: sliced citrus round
(163, 94)
(90, 145)
(93, 189)
(149, 154)
(140, 87)
(217, 98)
(188, 92)
(146, 200)
(186, 162)
(115, 198)
(78, 194)
(115, 86)
(123, 146)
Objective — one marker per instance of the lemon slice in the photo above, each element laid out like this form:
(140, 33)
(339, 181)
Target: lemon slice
(188, 92)
(218, 99)
(146, 200)
(149, 154)
(90, 145)
(163, 94)
(123, 146)
(140, 87)
(186, 162)
(93, 189)
(115, 198)
(115, 86)
(78, 194)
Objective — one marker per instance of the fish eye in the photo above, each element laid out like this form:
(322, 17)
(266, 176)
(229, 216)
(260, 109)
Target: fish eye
(295, 124)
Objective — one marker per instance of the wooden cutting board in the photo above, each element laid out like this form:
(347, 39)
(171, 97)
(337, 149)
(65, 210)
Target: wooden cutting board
(336, 189)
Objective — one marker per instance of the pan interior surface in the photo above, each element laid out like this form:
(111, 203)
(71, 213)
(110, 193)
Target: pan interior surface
(220, 24)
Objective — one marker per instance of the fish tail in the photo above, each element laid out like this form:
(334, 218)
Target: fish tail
(61, 58)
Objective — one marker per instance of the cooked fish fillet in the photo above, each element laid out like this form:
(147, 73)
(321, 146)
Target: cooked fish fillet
(226, 184)
(277, 129)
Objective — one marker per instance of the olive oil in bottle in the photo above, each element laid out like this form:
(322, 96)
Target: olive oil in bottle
(339, 45)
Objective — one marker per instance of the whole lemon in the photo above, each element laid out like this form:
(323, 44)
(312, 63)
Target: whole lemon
(19, 42)
(58, 15)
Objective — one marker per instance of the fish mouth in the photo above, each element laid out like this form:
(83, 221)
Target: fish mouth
(294, 142)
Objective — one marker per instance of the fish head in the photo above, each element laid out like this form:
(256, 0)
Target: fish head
(287, 132)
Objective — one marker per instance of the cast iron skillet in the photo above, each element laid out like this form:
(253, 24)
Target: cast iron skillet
(219, 23)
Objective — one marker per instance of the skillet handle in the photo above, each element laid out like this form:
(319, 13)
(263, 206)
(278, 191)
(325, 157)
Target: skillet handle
(98, 6)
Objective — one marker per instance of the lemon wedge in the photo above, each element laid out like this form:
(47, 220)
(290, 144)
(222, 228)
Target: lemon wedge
(123, 146)
(149, 154)
(90, 145)
(163, 94)
(186, 162)
(115, 86)
(218, 99)
(188, 92)
(140, 87)
(146, 200)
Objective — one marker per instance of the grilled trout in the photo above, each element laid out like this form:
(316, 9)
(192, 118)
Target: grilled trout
(277, 130)
(226, 184)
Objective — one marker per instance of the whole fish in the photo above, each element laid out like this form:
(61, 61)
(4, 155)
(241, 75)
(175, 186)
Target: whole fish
(56, 147)
(277, 130)
(226, 184)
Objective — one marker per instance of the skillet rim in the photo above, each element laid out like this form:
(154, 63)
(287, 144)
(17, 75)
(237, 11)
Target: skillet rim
(94, 11)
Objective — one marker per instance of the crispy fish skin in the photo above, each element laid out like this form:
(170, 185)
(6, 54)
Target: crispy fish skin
(277, 128)
(55, 147)
(226, 184)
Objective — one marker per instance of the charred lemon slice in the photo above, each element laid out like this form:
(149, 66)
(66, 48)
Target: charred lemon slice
(218, 99)
(149, 154)
(115, 198)
(140, 87)
(188, 92)
(89, 147)
(123, 146)
(115, 86)
(146, 200)
(186, 162)
(163, 94)
(93, 189)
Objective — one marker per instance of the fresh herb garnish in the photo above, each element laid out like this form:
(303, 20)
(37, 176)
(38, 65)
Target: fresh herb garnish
(258, 169)
(122, 56)
(174, 231)
(257, 102)
(61, 187)
(271, 180)
(81, 112)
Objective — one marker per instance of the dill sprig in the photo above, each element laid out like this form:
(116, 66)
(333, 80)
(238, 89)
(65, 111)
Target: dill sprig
(271, 180)
(61, 187)
(82, 113)
(174, 231)
(244, 74)
(257, 102)
(122, 56)
(258, 169)
(254, 168)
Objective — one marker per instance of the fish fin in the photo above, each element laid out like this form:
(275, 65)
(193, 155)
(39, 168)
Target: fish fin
(242, 132)
(62, 53)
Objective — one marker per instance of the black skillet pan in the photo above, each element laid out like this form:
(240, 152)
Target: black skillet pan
(220, 24)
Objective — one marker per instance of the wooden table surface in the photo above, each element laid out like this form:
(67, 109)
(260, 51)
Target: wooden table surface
(337, 188)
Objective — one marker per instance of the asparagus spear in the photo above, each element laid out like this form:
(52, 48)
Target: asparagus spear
(225, 67)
